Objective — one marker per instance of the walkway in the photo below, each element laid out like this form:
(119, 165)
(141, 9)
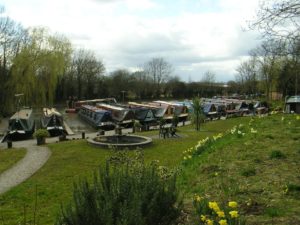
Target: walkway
(34, 159)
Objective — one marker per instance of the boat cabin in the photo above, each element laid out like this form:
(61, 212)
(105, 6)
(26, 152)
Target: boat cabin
(210, 111)
(52, 120)
(93, 102)
(180, 110)
(21, 125)
(292, 104)
(97, 118)
(122, 116)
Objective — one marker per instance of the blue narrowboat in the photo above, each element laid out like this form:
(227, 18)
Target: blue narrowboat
(97, 118)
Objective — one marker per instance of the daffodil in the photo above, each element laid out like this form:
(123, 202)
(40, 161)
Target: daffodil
(203, 218)
(197, 198)
(253, 131)
(209, 222)
(234, 214)
(214, 206)
(223, 222)
(221, 214)
(232, 204)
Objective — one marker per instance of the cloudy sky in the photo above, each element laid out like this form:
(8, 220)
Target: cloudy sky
(195, 36)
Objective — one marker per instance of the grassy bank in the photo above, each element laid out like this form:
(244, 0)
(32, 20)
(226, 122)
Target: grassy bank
(74, 159)
(9, 157)
(259, 170)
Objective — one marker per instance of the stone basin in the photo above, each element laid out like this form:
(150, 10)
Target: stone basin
(121, 141)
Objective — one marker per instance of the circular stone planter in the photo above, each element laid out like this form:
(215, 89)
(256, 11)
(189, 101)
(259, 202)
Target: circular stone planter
(121, 141)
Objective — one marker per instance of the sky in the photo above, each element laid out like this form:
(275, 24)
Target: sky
(194, 36)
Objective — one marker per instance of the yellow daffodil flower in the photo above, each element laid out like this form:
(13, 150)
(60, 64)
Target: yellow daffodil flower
(197, 198)
(221, 214)
(223, 222)
(203, 218)
(214, 206)
(234, 214)
(209, 222)
(232, 204)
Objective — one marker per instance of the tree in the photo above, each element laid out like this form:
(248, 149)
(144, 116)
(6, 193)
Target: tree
(268, 58)
(279, 19)
(86, 70)
(121, 82)
(158, 70)
(12, 37)
(247, 76)
(39, 64)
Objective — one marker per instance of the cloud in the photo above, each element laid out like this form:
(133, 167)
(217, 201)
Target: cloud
(193, 35)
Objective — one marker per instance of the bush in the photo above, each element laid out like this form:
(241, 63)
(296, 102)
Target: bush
(41, 133)
(124, 192)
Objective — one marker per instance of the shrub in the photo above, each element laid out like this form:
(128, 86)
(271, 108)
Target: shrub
(125, 191)
(276, 154)
(41, 133)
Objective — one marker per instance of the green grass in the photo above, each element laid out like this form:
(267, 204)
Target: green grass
(73, 160)
(9, 157)
(233, 168)
(264, 181)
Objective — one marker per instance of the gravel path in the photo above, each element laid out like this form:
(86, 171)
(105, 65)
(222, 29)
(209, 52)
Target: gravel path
(34, 159)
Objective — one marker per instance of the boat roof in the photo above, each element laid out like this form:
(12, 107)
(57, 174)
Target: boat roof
(111, 107)
(93, 108)
(142, 105)
(293, 99)
(97, 100)
(50, 111)
(22, 114)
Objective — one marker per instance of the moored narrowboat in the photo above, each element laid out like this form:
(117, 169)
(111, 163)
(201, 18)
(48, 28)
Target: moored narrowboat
(122, 116)
(97, 118)
(21, 125)
(179, 110)
(52, 120)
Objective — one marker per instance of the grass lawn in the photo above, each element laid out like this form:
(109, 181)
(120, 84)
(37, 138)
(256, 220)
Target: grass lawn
(260, 171)
(73, 160)
(9, 157)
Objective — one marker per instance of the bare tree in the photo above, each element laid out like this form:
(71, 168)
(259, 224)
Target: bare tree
(159, 70)
(279, 19)
(208, 77)
(269, 65)
(248, 76)
(86, 68)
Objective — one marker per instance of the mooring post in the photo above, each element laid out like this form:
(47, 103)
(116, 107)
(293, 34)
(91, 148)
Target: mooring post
(9, 144)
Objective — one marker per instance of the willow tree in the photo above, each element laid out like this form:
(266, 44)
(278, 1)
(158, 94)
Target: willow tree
(38, 66)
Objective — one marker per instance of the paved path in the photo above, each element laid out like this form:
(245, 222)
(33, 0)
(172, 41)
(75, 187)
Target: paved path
(34, 159)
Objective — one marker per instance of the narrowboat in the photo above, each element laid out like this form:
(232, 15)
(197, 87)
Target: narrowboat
(124, 117)
(52, 120)
(292, 104)
(145, 116)
(180, 110)
(97, 118)
(75, 106)
(21, 125)
(210, 111)
(163, 111)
